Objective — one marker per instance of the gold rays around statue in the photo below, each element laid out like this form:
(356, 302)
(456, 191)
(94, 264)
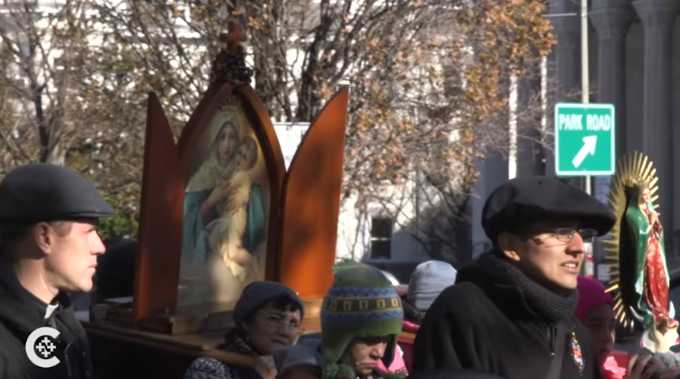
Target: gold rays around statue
(633, 170)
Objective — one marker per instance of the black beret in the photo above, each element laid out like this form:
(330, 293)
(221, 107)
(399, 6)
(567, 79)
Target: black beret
(45, 192)
(257, 294)
(523, 202)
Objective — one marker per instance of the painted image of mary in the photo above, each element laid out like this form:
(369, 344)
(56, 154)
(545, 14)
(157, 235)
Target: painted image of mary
(238, 229)
(224, 225)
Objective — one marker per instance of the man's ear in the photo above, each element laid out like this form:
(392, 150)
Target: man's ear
(43, 237)
(508, 244)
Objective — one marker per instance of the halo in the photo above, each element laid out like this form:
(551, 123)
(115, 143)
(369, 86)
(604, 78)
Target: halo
(633, 170)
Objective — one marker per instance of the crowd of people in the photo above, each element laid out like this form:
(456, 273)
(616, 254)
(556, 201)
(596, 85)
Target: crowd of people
(522, 310)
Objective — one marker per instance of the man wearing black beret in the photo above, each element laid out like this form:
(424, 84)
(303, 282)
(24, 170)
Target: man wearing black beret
(48, 245)
(511, 311)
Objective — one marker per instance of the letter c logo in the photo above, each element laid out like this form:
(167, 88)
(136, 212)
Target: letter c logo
(40, 347)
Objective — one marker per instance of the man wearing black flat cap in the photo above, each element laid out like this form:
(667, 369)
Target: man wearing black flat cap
(511, 311)
(48, 245)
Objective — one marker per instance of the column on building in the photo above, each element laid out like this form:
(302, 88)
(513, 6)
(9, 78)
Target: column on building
(657, 18)
(568, 50)
(611, 19)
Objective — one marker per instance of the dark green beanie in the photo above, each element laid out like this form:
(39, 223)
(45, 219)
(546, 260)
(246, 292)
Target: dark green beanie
(361, 303)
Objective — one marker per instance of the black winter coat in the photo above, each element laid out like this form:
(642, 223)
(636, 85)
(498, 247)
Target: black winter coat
(497, 321)
(20, 314)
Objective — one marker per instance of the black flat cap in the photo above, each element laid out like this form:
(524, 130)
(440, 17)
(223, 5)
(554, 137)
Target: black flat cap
(45, 192)
(523, 202)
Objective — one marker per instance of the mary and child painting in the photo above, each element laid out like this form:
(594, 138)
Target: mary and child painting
(224, 231)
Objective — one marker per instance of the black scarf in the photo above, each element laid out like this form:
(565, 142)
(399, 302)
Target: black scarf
(515, 292)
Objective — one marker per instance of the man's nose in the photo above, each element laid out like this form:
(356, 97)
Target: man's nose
(96, 244)
(576, 245)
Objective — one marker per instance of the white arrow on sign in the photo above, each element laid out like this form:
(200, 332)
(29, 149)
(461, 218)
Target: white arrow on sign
(588, 148)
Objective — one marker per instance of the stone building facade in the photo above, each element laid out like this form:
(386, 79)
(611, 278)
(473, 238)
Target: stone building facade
(635, 65)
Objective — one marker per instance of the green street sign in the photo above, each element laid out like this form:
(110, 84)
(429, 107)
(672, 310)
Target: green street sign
(584, 139)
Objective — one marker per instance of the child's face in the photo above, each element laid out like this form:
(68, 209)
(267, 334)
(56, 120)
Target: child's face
(247, 154)
(364, 355)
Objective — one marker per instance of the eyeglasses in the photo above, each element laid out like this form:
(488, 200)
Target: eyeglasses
(567, 234)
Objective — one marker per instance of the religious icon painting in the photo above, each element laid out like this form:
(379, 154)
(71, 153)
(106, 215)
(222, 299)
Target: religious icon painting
(224, 223)
(219, 209)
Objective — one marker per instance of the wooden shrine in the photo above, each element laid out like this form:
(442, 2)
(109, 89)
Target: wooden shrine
(218, 210)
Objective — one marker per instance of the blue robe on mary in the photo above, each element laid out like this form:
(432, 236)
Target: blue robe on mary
(194, 239)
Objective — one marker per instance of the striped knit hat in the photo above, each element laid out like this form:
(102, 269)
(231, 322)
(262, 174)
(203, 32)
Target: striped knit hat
(362, 303)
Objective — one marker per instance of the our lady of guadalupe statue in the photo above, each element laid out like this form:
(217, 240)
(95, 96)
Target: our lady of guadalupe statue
(640, 280)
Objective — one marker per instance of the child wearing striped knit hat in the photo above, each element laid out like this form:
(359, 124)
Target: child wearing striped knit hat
(360, 321)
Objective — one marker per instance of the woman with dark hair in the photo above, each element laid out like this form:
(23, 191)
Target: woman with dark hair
(268, 317)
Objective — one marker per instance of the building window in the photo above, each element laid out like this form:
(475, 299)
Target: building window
(381, 237)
